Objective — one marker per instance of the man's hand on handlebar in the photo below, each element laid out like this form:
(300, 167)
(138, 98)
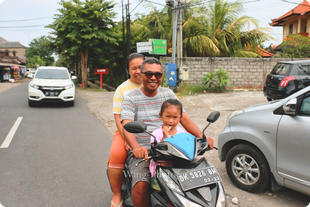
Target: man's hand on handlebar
(140, 153)
(210, 142)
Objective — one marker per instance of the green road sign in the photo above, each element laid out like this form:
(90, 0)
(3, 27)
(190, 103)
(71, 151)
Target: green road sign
(159, 47)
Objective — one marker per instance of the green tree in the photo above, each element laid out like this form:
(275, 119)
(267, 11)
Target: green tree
(40, 47)
(80, 27)
(215, 29)
(296, 46)
(35, 61)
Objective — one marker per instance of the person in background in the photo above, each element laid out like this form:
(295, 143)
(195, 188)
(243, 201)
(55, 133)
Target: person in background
(118, 152)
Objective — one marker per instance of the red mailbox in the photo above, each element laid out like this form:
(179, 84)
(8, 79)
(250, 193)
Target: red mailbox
(100, 72)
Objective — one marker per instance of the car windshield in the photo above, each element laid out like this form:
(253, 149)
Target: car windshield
(52, 74)
(281, 69)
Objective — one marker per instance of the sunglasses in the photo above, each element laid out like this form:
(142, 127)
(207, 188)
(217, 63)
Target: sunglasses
(149, 74)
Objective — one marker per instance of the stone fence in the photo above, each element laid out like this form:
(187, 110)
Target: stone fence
(242, 71)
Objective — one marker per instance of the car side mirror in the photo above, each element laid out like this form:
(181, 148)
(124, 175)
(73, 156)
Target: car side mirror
(73, 77)
(290, 107)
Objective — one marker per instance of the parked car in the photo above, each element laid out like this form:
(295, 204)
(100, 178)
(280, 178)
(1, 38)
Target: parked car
(30, 72)
(267, 145)
(286, 78)
(51, 84)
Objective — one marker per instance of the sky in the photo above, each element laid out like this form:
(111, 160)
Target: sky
(24, 20)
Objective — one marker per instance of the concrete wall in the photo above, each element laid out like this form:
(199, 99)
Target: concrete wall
(242, 71)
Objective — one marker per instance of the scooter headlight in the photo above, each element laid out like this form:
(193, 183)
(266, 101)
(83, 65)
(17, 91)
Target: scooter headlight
(187, 203)
(170, 183)
(221, 200)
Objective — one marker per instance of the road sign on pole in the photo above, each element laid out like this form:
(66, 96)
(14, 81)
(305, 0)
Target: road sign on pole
(159, 47)
(100, 72)
(144, 47)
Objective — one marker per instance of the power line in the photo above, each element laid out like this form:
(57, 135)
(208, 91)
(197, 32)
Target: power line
(291, 2)
(155, 3)
(26, 19)
(136, 6)
(24, 26)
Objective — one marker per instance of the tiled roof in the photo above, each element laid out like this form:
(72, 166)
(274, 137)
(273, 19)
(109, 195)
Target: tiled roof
(2, 40)
(12, 45)
(21, 60)
(301, 9)
(264, 53)
(9, 62)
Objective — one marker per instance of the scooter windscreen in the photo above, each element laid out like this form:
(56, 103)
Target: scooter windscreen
(185, 142)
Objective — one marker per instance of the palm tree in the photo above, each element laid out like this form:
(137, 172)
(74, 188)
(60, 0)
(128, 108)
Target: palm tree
(216, 30)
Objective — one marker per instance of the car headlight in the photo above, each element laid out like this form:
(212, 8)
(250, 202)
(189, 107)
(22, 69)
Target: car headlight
(68, 86)
(221, 200)
(233, 114)
(33, 85)
(170, 183)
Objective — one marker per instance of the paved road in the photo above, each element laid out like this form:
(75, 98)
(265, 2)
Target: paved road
(57, 156)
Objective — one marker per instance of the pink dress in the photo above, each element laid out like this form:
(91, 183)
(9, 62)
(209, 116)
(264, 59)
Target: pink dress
(158, 133)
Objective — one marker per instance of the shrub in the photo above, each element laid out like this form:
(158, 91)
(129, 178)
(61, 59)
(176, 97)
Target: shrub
(217, 81)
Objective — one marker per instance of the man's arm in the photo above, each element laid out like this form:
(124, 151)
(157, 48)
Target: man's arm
(193, 129)
(138, 151)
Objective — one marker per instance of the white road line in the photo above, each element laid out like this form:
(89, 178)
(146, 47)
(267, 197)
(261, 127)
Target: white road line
(10, 136)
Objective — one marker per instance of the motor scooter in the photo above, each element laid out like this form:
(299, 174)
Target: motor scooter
(188, 181)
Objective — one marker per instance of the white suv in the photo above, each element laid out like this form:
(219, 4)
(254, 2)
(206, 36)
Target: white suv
(51, 84)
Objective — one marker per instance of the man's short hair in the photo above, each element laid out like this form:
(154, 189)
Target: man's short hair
(150, 61)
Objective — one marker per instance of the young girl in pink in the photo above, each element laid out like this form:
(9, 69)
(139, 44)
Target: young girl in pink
(170, 113)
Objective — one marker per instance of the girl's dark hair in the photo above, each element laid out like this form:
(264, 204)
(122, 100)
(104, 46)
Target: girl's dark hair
(174, 102)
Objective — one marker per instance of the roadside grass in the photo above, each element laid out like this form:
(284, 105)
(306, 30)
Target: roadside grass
(91, 88)
(191, 89)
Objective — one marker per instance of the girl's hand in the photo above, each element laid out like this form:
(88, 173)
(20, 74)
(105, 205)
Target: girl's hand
(166, 129)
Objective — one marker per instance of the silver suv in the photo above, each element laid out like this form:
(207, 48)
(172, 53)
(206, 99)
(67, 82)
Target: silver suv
(267, 145)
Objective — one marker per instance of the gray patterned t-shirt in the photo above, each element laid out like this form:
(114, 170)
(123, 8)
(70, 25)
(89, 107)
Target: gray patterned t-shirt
(138, 107)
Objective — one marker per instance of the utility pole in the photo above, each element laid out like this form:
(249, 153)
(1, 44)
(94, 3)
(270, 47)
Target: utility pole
(124, 42)
(174, 29)
(180, 36)
(128, 29)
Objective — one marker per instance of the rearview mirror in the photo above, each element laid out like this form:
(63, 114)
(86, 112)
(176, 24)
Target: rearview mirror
(135, 127)
(73, 77)
(213, 116)
(290, 107)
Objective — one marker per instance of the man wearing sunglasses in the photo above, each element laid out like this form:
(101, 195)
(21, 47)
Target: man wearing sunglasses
(144, 105)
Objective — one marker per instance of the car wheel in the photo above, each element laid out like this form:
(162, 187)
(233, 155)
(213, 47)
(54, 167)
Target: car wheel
(247, 168)
(71, 103)
(269, 99)
(31, 103)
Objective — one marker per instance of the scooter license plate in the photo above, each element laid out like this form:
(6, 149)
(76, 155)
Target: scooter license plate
(194, 178)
